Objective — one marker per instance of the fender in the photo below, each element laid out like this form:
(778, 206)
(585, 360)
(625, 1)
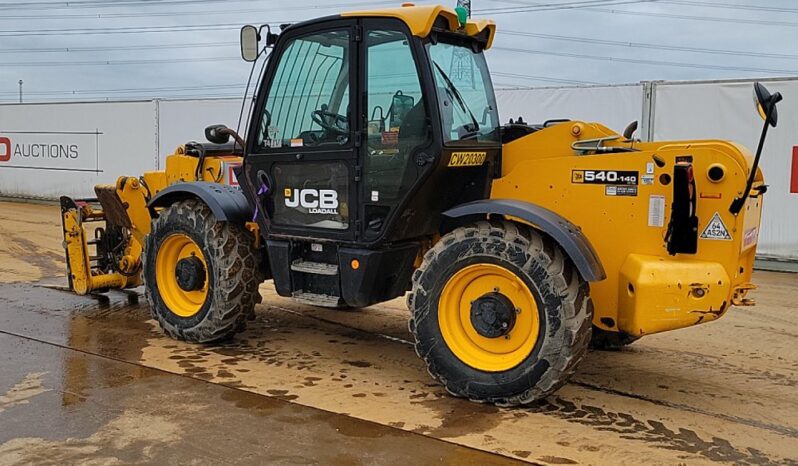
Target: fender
(227, 203)
(565, 233)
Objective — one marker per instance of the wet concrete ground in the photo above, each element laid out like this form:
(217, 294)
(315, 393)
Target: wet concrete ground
(93, 379)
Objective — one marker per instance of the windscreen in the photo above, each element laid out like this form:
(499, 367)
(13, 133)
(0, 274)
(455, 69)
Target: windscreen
(465, 93)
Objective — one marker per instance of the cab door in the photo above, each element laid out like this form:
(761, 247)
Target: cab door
(301, 164)
(398, 148)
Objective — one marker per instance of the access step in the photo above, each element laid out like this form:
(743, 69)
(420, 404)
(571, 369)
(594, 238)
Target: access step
(322, 300)
(318, 268)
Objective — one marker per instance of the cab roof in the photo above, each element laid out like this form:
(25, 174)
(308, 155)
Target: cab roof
(420, 20)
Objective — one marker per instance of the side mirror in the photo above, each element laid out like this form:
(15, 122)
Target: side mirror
(249, 43)
(766, 104)
(766, 107)
(217, 134)
(400, 105)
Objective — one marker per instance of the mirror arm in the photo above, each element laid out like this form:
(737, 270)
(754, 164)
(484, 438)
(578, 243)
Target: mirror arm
(737, 205)
(236, 137)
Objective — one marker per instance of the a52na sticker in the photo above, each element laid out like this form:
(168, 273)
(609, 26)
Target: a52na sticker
(628, 177)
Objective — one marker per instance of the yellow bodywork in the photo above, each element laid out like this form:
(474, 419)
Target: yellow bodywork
(419, 20)
(133, 194)
(646, 289)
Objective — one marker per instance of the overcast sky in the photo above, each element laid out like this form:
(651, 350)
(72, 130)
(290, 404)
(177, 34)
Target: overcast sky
(96, 48)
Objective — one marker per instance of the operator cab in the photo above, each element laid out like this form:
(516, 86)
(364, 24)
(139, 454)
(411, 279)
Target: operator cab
(363, 132)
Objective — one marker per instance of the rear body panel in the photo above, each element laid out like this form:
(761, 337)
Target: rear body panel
(622, 203)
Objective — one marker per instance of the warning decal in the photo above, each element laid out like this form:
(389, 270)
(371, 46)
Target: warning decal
(716, 229)
(656, 211)
(622, 190)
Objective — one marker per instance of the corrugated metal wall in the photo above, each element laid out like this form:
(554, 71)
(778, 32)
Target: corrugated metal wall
(725, 110)
(55, 149)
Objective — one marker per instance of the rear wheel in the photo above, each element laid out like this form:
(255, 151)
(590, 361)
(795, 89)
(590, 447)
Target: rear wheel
(200, 274)
(499, 313)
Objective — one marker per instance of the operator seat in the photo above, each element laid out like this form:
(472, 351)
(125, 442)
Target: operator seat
(389, 175)
(413, 130)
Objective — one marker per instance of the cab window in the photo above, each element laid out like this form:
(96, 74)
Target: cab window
(464, 91)
(397, 125)
(308, 101)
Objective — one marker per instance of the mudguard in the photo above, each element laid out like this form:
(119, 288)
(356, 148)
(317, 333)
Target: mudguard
(565, 233)
(227, 203)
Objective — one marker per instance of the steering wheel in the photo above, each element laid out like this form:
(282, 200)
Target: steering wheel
(330, 121)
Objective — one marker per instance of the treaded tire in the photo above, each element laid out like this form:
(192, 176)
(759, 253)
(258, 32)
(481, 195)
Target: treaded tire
(232, 270)
(565, 312)
(603, 340)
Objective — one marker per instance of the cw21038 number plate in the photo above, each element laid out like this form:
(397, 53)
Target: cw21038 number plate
(625, 177)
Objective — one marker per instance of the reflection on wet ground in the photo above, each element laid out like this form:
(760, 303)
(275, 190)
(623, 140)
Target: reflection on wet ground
(338, 387)
(72, 390)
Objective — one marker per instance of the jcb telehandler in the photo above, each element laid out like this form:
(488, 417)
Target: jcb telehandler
(374, 164)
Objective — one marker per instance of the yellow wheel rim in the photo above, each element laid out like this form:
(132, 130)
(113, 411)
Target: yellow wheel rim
(454, 318)
(179, 301)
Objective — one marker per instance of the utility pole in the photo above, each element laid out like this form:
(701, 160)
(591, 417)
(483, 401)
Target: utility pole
(20, 91)
(462, 66)
(465, 4)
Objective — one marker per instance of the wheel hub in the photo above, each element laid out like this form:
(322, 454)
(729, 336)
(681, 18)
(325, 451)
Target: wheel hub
(190, 273)
(493, 315)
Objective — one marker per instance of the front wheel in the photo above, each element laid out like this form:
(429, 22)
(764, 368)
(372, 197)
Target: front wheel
(499, 313)
(200, 275)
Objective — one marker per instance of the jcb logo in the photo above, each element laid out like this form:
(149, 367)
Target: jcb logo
(5, 149)
(317, 201)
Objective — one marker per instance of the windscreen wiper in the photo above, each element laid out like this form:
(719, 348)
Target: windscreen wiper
(457, 96)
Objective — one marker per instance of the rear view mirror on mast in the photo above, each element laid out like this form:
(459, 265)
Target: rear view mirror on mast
(249, 43)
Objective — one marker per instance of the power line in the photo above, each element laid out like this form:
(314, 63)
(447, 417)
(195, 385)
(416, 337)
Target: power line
(121, 30)
(500, 86)
(72, 5)
(506, 49)
(587, 40)
(99, 98)
(558, 6)
(696, 18)
(119, 48)
(122, 62)
(731, 6)
(648, 62)
(709, 18)
(190, 13)
(231, 86)
(542, 78)
(133, 90)
(617, 43)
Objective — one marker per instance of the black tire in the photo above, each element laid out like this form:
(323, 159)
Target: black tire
(565, 312)
(232, 273)
(603, 340)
